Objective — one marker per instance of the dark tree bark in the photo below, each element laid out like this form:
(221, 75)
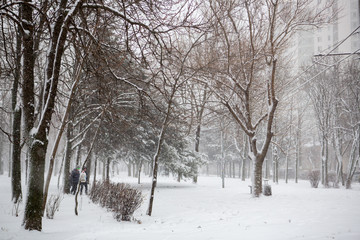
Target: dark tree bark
(158, 150)
(33, 213)
(16, 159)
(197, 144)
(66, 189)
(39, 143)
(95, 169)
(16, 127)
(156, 166)
(1, 158)
(88, 167)
(78, 154)
(107, 173)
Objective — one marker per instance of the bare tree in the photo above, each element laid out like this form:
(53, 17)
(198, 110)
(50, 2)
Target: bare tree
(252, 37)
(168, 81)
(350, 105)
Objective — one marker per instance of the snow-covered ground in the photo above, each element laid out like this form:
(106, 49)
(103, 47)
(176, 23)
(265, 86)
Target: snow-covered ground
(203, 211)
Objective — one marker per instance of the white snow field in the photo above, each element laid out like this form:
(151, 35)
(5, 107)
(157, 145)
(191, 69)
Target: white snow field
(185, 211)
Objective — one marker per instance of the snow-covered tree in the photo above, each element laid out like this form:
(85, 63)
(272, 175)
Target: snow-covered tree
(252, 37)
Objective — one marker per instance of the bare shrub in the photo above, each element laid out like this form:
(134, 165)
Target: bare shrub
(333, 180)
(16, 207)
(120, 198)
(53, 205)
(267, 190)
(314, 177)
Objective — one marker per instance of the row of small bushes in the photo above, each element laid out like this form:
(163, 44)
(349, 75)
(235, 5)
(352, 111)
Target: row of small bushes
(120, 198)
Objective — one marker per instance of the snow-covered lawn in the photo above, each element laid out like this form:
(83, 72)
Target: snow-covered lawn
(204, 211)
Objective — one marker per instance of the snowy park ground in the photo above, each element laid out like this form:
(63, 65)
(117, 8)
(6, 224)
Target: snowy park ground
(203, 211)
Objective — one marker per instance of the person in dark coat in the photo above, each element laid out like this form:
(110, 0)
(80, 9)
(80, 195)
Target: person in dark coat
(75, 175)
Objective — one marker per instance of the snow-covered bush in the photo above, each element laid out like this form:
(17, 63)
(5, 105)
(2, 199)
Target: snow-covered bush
(120, 198)
(53, 205)
(180, 161)
(314, 177)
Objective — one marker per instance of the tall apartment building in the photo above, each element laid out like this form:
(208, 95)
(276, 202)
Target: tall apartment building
(323, 40)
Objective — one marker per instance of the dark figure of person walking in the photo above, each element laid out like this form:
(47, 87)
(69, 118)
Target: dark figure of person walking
(75, 175)
(83, 181)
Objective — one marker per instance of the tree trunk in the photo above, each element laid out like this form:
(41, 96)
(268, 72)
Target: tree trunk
(324, 162)
(257, 177)
(27, 166)
(179, 176)
(95, 169)
(107, 177)
(245, 157)
(289, 144)
(266, 171)
(38, 146)
(16, 155)
(353, 160)
(139, 170)
(156, 160)
(129, 169)
(104, 170)
(78, 154)
(134, 169)
(297, 162)
(277, 169)
(16, 127)
(33, 213)
(287, 167)
(197, 138)
(68, 152)
(223, 163)
(298, 148)
(230, 169)
(60, 170)
(1, 156)
(234, 169)
(222, 169)
(197, 144)
(33, 208)
(88, 167)
(338, 152)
